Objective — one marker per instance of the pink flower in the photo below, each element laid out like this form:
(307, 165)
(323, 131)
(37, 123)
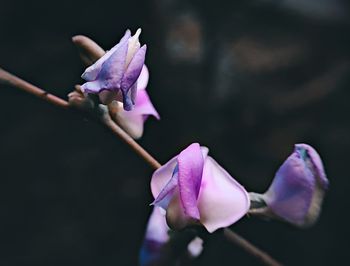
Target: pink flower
(132, 121)
(193, 188)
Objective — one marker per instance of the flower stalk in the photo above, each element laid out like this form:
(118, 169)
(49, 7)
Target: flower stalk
(10, 79)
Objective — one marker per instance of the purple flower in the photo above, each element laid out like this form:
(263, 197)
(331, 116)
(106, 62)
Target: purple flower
(154, 250)
(193, 188)
(132, 121)
(115, 75)
(155, 239)
(297, 191)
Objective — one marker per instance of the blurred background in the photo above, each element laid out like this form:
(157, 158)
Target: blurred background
(248, 79)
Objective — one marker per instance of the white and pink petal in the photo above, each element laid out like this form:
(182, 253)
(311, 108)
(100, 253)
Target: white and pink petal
(222, 200)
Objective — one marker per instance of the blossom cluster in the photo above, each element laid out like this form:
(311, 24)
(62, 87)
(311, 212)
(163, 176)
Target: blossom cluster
(192, 189)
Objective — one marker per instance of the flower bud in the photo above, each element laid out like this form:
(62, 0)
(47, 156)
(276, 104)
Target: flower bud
(298, 189)
(114, 76)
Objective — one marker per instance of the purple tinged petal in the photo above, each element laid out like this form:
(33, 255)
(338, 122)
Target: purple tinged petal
(176, 217)
(190, 163)
(127, 102)
(144, 106)
(114, 71)
(142, 81)
(109, 77)
(133, 71)
(91, 87)
(113, 68)
(155, 239)
(202, 192)
(133, 46)
(92, 71)
(133, 93)
(180, 196)
(157, 229)
(165, 196)
(222, 200)
(291, 191)
(162, 176)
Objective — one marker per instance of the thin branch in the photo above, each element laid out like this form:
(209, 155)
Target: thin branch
(117, 130)
(89, 50)
(9, 79)
(250, 248)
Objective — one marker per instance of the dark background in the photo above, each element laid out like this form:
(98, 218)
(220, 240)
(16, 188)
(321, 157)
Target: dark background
(248, 79)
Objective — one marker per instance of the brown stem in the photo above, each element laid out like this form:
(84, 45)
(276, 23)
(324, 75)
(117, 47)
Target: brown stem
(250, 248)
(9, 79)
(117, 130)
(89, 50)
(16, 82)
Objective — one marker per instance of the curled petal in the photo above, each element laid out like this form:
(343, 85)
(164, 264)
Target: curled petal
(222, 200)
(133, 46)
(119, 69)
(127, 101)
(91, 87)
(162, 176)
(164, 197)
(109, 78)
(113, 67)
(133, 93)
(92, 71)
(190, 162)
(134, 69)
(176, 217)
